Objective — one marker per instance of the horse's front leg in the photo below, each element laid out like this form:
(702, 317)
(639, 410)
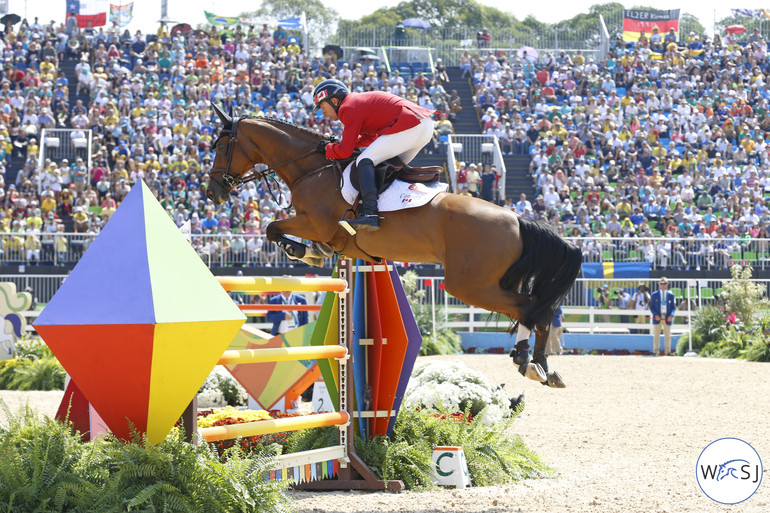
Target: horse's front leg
(298, 226)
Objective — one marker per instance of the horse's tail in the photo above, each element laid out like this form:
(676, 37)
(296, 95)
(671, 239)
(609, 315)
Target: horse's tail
(546, 270)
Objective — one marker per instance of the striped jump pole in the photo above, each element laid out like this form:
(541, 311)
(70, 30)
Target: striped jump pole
(281, 354)
(271, 284)
(265, 427)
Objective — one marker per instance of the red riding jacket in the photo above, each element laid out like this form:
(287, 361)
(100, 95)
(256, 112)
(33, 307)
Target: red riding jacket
(369, 115)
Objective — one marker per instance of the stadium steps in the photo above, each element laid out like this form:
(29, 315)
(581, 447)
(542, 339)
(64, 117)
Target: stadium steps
(67, 66)
(467, 121)
(517, 179)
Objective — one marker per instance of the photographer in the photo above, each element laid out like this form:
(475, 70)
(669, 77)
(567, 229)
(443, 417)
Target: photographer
(624, 302)
(605, 301)
(482, 38)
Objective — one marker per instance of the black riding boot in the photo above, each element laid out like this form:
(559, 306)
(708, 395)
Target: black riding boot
(369, 215)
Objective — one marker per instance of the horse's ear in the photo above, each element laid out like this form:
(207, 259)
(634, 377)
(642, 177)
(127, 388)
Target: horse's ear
(226, 120)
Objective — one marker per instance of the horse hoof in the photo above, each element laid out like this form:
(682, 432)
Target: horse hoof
(322, 249)
(555, 381)
(535, 373)
(315, 262)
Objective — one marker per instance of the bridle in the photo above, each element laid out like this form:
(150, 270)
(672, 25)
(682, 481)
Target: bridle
(229, 180)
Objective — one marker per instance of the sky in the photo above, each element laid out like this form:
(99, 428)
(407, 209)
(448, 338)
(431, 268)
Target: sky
(147, 12)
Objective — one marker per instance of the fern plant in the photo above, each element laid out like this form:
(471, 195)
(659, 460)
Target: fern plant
(47, 468)
(38, 374)
(494, 454)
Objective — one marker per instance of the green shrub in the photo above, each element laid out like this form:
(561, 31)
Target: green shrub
(33, 348)
(742, 296)
(8, 371)
(494, 455)
(445, 340)
(47, 468)
(729, 346)
(709, 324)
(683, 344)
(38, 374)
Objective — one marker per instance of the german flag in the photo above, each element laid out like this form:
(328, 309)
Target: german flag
(637, 20)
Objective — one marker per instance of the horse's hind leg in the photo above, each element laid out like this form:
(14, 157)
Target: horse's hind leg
(540, 359)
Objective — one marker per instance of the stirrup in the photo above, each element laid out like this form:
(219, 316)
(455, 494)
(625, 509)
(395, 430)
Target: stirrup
(367, 222)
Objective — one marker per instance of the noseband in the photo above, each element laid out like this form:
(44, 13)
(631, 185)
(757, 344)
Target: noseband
(229, 180)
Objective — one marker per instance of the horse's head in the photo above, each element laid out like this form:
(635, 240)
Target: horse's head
(242, 143)
(230, 161)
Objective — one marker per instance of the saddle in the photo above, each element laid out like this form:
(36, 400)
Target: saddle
(387, 172)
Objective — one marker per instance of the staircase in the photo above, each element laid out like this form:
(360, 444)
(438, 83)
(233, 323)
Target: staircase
(467, 121)
(67, 67)
(517, 178)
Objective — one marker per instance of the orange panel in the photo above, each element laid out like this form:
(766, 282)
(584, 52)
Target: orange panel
(111, 365)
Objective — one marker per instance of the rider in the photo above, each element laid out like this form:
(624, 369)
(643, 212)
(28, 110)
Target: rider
(387, 125)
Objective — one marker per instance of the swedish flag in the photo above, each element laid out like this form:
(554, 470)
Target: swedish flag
(604, 270)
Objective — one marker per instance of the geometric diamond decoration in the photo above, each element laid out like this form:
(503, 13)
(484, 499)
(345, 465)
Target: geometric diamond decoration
(141, 321)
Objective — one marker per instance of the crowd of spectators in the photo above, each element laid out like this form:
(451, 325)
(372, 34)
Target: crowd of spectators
(666, 137)
(663, 137)
(146, 101)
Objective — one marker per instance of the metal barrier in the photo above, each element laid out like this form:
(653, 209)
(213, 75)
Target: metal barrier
(453, 313)
(58, 144)
(252, 250)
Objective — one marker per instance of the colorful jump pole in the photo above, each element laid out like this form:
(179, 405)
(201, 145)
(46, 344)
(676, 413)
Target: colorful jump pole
(264, 427)
(270, 284)
(281, 354)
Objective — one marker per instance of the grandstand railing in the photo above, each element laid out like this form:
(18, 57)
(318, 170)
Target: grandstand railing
(581, 305)
(669, 253)
(450, 43)
(57, 144)
(677, 253)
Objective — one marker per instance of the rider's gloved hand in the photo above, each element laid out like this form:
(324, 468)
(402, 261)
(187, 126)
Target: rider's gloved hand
(321, 148)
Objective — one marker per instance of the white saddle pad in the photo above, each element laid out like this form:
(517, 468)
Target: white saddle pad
(398, 196)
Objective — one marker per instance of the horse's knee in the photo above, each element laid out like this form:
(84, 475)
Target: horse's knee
(273, 232)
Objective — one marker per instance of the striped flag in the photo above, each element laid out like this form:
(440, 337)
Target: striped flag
(88, 11)
(637, 20)
(122, 14)
(751, 13)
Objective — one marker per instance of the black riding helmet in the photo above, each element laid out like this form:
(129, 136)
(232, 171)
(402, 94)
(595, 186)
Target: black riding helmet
(328, 89)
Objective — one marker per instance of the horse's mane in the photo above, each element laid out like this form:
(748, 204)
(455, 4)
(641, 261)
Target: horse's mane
(289, 124)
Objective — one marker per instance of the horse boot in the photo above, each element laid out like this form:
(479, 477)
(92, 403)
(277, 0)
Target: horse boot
(368, 214)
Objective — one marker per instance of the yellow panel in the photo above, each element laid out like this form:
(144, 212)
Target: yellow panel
(183, 355)
(333, 338)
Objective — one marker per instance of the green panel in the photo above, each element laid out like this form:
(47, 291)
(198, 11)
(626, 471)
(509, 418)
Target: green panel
(183, 288)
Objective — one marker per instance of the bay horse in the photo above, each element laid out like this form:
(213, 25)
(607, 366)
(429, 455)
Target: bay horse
(493, 259)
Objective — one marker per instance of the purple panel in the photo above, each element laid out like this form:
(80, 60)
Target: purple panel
(415, 341)
(111, 282)
(359, 353)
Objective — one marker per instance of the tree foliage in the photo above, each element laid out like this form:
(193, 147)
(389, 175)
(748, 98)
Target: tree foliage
(440, 13)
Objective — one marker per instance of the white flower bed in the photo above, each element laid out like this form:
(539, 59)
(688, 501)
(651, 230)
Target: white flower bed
(453, 386)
